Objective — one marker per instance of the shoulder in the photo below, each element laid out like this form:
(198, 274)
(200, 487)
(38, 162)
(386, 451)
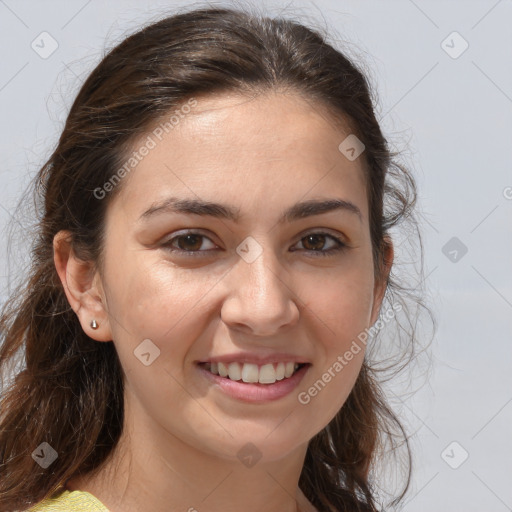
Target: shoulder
(70, 501)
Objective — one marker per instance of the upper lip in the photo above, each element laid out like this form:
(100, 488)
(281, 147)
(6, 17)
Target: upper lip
(259, 359)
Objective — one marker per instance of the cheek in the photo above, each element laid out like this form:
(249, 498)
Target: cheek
(157, 303)
(332, 386)
(151, 300)
(144, 292)
(340, 301)
(339, 309)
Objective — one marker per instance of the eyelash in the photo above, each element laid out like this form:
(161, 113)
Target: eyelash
(340, 247)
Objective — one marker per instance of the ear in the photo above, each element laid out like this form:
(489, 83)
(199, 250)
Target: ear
(381, 282)
(82, 286)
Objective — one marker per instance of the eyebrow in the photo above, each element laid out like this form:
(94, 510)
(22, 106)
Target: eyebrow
(221, 211)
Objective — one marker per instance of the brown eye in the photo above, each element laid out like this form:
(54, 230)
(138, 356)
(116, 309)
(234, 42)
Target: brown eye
(188, 244)
(315, 242)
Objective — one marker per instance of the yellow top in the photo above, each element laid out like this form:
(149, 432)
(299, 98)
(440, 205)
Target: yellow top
(70, 501)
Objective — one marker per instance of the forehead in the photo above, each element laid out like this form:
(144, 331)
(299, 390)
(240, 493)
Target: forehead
(271, 148)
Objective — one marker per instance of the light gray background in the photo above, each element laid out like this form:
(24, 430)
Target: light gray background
(453, 119)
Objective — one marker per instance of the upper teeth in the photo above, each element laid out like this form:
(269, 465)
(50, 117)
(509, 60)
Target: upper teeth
(249, 372)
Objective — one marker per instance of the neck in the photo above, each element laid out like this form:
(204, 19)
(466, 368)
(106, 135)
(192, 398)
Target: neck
(153, 470)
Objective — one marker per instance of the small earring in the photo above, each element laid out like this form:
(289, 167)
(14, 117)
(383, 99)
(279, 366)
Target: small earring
(94, 325)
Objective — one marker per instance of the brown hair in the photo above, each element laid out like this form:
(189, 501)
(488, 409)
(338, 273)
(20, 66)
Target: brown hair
(70, 394)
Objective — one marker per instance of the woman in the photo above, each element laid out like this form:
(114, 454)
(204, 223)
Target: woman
(213, 257)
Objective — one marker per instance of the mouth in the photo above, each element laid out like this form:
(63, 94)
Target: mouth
(250, 373)
(252, 384)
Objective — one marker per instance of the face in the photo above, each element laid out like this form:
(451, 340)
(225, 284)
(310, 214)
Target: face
(247, 286)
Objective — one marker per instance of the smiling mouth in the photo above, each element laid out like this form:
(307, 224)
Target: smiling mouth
(253, 374)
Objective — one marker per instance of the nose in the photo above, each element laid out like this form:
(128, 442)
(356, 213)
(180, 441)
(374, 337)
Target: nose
(260, 299)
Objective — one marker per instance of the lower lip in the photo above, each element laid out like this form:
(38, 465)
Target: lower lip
(256, 392)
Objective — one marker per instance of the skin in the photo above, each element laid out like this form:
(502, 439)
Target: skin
(181, 434)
